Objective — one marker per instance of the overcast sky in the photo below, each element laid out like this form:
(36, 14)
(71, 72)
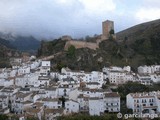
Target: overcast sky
(78, 18)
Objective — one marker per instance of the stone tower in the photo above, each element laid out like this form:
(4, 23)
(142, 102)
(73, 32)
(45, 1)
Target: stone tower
(107, 26)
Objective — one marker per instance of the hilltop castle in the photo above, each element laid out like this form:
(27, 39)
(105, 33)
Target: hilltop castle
(107, 31)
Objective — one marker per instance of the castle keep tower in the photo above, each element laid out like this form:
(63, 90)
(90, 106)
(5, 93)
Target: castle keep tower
(107, 26)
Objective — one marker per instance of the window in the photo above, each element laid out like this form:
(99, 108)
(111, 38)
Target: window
(145, 100)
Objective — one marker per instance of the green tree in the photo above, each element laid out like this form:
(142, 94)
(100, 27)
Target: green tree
(111, 32)
(3, 117)
(60, 65)
(71, 51)
(131, 87)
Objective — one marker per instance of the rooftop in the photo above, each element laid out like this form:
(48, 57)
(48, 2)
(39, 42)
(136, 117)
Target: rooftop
(112, 94)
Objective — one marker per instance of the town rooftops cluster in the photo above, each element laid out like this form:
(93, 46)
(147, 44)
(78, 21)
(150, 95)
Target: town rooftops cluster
(32, 89)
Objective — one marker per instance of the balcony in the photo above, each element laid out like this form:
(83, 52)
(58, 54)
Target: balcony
(114, 105)
(150, 107)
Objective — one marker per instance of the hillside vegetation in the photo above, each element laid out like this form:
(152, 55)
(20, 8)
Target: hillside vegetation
(5, 54)
(135, 46)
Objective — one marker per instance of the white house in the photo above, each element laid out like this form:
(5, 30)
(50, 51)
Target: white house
(43, 81)
(53, 103)
(21, 80)
(6, 82)
(115, 68)
(51, 92)
(96, 106)
(83, 103)
(70, 72)
(118, 75)
(92, 92)
(45, 68)
(23, 70)
(27, 80)
(94, 76)
(74, 94)
(20, 101)
(64, 90)
(4, 101)
(146, 102)
(13, 72)
(35, 64)
(112, 102)
(93, 85)
(9, 91)
(71, 106)
(4, 74)
(145, 79)
(148, 69)
(155, 77)
(62, 76)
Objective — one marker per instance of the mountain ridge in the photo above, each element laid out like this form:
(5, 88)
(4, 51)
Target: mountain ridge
(21, 43)
(142, 28)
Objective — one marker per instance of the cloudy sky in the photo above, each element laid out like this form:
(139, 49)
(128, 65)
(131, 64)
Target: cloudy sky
(78, 18)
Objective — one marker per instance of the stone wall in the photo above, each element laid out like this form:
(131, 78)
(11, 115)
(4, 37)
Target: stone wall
(81, 44)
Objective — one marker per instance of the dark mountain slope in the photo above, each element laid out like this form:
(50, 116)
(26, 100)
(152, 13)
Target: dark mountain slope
(141, 31)
(25, 43)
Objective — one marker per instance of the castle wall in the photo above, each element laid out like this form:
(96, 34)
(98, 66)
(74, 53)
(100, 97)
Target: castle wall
(81, 44)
